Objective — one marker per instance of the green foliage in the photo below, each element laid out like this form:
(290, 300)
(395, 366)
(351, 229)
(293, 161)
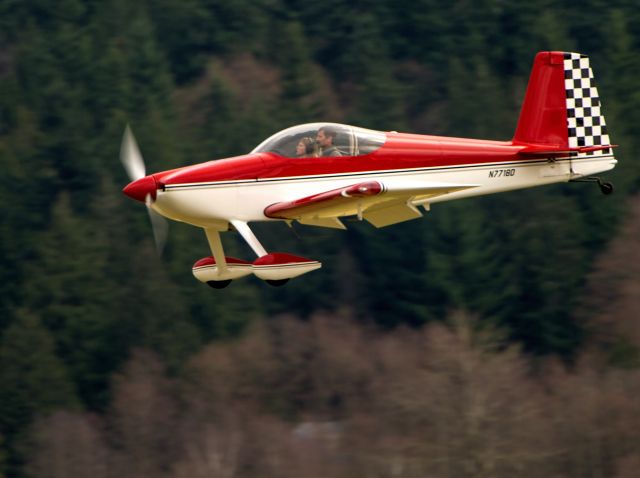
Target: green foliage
(297, 103)
(65, 282)
(33, 382)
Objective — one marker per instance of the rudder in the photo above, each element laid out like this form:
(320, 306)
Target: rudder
(585, 123)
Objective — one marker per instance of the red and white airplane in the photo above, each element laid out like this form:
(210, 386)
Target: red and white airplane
(318, 173)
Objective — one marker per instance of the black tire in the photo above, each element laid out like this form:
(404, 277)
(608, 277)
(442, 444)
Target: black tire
(606, 188)
(218, 284)
(277, 283)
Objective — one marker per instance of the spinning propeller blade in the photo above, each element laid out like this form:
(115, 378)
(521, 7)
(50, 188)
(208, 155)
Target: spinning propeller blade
(131, 157)
(159, 225)
(134, 166)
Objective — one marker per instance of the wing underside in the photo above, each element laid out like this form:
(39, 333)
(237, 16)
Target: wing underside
(380, 203)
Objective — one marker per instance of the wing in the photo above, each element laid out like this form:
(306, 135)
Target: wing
(380, 203)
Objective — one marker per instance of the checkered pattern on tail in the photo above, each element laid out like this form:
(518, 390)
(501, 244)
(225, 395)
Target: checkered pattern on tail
(585, 121)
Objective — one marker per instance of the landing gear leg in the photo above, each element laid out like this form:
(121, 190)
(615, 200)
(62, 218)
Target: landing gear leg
(606, 188)
(215, 243)
(252, 240)
(247, 235)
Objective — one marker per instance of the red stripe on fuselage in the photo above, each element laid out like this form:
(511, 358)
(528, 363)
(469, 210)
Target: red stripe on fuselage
(400, 152)
(230, 169)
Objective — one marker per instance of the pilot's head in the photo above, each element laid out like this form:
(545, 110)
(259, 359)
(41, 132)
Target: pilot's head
(326, 135)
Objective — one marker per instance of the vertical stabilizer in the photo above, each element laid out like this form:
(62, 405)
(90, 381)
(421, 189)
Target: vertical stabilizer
(561, 107)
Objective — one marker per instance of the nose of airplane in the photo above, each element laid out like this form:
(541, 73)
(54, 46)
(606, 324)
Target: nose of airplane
(141, 188)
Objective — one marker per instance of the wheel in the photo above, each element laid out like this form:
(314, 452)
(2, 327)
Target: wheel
(606, 188)
(218, 284)
(277, 283)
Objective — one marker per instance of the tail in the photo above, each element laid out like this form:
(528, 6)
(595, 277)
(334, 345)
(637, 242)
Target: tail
(561, 109)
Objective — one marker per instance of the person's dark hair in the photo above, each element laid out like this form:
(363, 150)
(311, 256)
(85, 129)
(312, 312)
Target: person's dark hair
(309, 144)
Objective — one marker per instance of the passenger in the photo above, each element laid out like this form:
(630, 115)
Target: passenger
(306, 148)
(325, 138)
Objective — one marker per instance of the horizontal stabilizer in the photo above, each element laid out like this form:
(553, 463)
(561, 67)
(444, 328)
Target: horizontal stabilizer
(545, 150)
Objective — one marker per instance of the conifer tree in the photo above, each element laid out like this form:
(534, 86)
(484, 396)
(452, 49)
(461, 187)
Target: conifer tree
(33, 382)
(297, 104)
(66, 282)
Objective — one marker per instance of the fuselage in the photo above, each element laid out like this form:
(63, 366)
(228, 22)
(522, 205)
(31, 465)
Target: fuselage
(242, 187)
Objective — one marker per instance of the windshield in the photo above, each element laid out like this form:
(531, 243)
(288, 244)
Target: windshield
(322, 139)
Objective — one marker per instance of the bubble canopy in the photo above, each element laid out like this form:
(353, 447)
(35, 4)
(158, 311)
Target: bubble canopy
(309, 140)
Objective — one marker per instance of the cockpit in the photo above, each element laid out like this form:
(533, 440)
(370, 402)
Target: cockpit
(322, 140)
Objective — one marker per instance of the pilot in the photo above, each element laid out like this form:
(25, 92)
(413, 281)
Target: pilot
(325, 138)
(306, 148)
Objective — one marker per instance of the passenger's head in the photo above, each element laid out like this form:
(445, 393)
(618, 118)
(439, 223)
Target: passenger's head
(305, 146)
(326, 136)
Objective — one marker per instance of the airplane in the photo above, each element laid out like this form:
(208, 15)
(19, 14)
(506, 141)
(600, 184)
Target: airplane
(319, 173)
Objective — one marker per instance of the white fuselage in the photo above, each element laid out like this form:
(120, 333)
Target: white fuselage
(213, 204)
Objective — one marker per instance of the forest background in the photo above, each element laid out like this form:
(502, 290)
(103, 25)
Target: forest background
(497, 336)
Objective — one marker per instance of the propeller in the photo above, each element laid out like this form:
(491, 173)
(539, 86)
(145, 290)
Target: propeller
(134, 166)
(131, 157)
(159, 225)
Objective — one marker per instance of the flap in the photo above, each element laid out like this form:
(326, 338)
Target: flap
(393, 212)
(330, 222)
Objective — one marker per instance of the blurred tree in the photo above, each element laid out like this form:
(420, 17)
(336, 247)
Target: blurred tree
(394, 294)
(151, 311)
(33, 382)
(473, 92)
(297, 102)
(69, 444)
(65, 283)
(185, 31)
(550, 261)
(221, 129)
(621, 96)
(18, 224)
(142, 418)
